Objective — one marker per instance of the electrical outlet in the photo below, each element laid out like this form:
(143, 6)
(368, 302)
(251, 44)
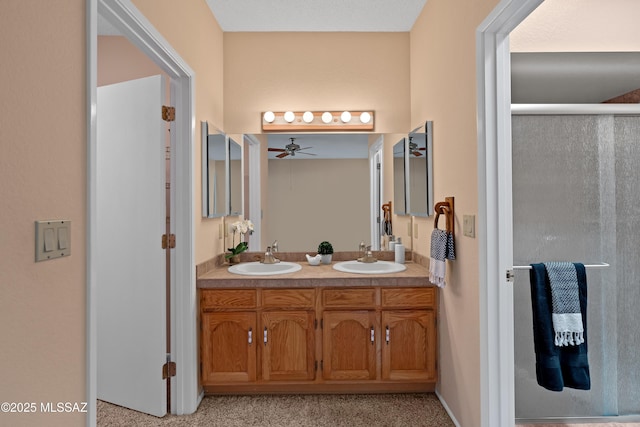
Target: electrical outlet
(469, 225)
(220, 231)
(415, 230)
(409, 229)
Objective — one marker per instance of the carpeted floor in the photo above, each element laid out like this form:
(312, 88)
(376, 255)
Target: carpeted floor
(398, 410)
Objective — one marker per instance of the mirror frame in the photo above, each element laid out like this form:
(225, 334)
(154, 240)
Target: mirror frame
(204, 132)
(400, 207)
(411, 210)
(231, 184)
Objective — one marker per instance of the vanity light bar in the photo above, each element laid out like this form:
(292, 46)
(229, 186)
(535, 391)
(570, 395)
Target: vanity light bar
(274, 121)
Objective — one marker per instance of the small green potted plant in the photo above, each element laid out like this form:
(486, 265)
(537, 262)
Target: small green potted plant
(325, 250)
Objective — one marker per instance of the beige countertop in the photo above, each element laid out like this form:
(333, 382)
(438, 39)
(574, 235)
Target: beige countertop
(314, 276)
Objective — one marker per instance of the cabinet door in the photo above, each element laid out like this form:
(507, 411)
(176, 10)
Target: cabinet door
(409, 345)
(228, 347)
(288, 340)
(348, 345)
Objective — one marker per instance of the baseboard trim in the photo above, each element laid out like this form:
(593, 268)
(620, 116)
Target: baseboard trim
(446, 408)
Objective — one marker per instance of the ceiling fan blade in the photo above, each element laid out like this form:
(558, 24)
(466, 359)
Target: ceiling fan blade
(281, 155)
(416, 153)
(276, 149)
(305, 148)
(309, 154)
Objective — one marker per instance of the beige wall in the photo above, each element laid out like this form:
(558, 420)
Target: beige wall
(119, 61)
(579, 26)
(42, 176)
(316, 71)
(443, 89)
(191, 29)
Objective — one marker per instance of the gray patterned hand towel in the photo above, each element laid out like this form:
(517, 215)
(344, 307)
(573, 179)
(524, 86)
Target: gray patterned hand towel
(442, 247)
(566, 315)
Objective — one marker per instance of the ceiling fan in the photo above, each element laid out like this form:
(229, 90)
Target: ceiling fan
(290, 149)
(413, 148)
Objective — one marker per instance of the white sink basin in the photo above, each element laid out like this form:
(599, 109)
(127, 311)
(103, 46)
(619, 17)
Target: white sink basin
(259, 269)
(378, 267)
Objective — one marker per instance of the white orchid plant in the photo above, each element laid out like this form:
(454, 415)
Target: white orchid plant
(241, 227)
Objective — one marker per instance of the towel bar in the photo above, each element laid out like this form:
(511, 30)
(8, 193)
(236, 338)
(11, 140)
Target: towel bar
(528, 267)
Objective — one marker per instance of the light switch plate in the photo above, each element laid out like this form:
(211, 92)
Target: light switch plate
(469, 225)
(53, 239)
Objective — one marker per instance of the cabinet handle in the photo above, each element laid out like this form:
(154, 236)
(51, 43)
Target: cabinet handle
(250, 336)
(387, 334)
(265, 335)
(372, 335)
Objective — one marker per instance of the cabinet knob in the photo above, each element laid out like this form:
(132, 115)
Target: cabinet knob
(250, 336)
(387, 334)
(373, 337)
(265, 335)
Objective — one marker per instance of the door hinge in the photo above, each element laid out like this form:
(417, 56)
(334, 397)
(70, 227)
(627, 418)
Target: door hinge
(168, 113)
(510, 275)
(168, 241)
(168, 370)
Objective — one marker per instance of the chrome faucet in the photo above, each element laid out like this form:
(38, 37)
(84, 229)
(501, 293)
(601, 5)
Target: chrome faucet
(274, 247)
(368, 256)
(269, 258)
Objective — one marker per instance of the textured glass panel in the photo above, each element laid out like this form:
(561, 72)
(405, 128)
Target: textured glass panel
(557, 217)
(627, 166)
(576, 197)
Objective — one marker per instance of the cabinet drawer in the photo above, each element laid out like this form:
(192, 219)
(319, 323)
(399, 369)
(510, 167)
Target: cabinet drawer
(229, 298)
(288, 298)
(408, 297)
(365, 297)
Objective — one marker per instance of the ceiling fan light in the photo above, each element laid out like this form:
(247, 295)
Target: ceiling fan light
(289, 116)
(345, 117)
(365, 117)
(327, 117)
(307, 117)
(269, 117)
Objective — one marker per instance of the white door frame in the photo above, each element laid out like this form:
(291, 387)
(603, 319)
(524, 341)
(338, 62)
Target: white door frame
(495, 226)
(376, 190)
(139, 31)
(255, 191)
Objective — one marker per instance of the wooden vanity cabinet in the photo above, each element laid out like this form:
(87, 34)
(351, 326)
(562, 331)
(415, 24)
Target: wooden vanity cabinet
(409, 347)
(325, 339)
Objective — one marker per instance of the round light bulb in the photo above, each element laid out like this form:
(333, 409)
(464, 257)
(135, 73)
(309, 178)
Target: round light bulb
(345, 117)
(289, 116)
(365, 117)
(307, 117)
(327, 117)
(269, 117)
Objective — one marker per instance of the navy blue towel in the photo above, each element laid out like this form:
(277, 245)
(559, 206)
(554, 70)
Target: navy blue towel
(557, 367)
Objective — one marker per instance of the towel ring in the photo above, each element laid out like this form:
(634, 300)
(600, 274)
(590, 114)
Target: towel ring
(446, 208)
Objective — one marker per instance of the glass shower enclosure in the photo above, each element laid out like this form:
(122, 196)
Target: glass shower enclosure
(576, 197)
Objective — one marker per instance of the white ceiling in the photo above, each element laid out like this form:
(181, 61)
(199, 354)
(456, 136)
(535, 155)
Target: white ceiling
(316, 15)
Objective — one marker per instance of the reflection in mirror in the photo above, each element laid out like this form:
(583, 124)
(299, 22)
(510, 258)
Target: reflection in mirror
(235, 178)
(399, 178)
(420, 171)
(213, 172)
(318, 189)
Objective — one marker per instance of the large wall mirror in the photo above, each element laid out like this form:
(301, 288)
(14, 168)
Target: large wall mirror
(400, 177)
(235, 178)
(318, 189)
(419, 154)
(214, 172)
